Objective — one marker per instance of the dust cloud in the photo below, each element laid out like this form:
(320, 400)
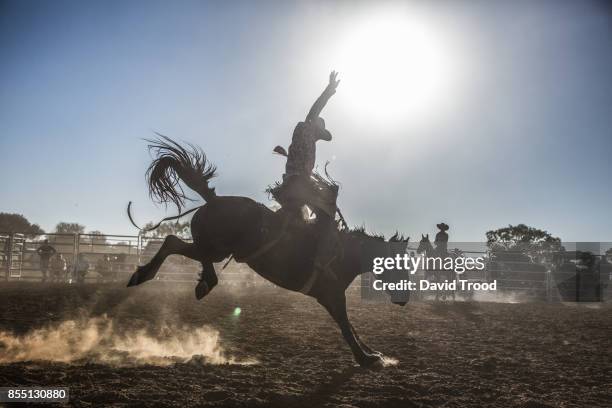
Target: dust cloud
(100, 340)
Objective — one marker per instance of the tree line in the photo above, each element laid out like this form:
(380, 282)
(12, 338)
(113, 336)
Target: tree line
(10, 222)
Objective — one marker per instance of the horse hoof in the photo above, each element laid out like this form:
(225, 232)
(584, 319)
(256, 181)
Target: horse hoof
(201, 290)
(141, 275)
(372, 361)
(134, 280)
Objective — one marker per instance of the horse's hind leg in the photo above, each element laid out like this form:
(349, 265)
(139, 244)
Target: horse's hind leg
(172, 245)
(208, 279)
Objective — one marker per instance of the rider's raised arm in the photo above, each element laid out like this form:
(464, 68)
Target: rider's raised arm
(321, 101)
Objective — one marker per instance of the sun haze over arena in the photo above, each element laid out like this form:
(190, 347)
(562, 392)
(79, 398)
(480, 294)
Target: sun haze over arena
(396, 65)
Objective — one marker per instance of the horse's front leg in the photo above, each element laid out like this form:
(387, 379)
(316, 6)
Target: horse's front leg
(336, 306)
(365, 346)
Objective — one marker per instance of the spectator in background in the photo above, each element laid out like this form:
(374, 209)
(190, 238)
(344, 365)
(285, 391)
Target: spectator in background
(4, 261)
(103, 268)
(80, 268)
(58, 268)
(45, 252)
(120, 261)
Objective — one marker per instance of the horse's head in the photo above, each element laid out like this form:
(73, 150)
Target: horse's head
(424, 245)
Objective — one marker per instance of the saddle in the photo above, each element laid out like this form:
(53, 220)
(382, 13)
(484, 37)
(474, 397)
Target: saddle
(318, 192)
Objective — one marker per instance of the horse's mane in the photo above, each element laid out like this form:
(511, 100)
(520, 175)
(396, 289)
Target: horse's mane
(361, 232)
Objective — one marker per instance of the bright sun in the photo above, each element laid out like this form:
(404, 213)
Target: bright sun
(393, 67)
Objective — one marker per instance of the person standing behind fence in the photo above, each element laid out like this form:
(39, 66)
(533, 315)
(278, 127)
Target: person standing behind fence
(45, 252)
(58, 268)
(103, 268)
(80, 268)
(4, 261)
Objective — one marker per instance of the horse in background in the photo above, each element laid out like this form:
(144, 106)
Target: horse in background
(438, 275)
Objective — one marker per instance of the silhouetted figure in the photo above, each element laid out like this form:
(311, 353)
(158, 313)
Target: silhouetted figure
(45, 252)
(58, 268)
(588, 277)
(298, 187)
(104, 267)
(4, 264)
(120, 261)
(438, 275)
(80, 268)
(442, 239)
(303, 150)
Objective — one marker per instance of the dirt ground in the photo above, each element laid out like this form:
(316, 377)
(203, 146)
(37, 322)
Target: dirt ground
(283, 350)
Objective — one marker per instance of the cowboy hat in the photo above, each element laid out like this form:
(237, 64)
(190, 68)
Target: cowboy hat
(322, 133)
(443, 226)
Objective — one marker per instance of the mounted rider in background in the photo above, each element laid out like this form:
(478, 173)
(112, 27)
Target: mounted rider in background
(299, 188)
(442, 239)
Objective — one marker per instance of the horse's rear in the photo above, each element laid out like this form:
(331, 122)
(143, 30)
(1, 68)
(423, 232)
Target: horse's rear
(229, 226)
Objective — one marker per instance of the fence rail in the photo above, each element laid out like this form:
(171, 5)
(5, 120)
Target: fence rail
(96, 257)
(93, 257)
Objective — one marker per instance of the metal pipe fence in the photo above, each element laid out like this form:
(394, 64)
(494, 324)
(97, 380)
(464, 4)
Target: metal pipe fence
(101, 258)
(97, 257)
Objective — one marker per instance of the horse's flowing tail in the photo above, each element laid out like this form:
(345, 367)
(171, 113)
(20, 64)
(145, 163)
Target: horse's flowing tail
(173, 163)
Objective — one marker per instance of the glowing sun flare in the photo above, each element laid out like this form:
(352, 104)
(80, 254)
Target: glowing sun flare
(393, 67)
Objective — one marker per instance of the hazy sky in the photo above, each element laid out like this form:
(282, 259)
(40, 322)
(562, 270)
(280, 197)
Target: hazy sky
(514, 126)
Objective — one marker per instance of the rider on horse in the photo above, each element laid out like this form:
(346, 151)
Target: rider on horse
(299, 188)
(442, 239)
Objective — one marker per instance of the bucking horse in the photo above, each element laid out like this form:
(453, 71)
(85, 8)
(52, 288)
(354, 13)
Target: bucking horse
(251, 233)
